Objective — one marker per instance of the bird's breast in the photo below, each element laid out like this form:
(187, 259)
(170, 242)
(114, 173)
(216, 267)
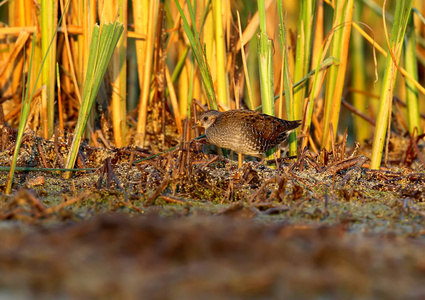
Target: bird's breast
(233, 138)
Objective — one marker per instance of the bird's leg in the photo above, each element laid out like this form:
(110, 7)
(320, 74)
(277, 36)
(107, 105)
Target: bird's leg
(263, 159)
(277, 165)
(240, 159)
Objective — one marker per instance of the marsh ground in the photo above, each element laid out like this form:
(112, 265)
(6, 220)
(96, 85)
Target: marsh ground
(186, 225)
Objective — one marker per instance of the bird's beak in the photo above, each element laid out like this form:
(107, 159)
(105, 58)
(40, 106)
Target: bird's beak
(197, 125)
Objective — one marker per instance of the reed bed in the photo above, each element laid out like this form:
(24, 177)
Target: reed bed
(333, 64)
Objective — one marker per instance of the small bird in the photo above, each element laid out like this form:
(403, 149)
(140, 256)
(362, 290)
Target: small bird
(245, 131)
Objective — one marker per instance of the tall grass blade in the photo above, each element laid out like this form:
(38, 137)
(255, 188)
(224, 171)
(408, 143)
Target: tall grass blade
(401, 18)
(25, 108)
(335, 81)
(250, 101)
(49, 16)
(222, 80)
(118, 72)
(286, 77)
(147, 72)
(102, 46)
(26, 101)
(198, 53)
(411, 66)
(358, 77)
(265, 63)
(302, 60)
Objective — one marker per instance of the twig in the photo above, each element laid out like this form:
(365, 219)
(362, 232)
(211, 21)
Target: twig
(159, 190)
(358, 112)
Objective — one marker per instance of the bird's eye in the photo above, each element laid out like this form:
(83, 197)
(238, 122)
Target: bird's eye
(205, 119)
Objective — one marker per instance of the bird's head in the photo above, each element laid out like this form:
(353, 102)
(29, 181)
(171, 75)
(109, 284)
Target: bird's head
(207, 118)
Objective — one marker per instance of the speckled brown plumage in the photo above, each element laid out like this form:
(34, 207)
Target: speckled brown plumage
(244, 131)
